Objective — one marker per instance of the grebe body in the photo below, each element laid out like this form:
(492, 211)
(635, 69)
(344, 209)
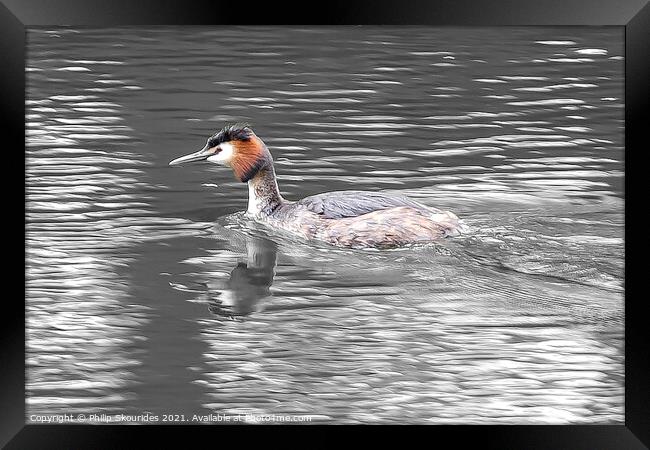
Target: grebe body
(355, 219)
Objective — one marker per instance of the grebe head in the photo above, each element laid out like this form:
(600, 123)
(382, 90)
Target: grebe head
(235, 146)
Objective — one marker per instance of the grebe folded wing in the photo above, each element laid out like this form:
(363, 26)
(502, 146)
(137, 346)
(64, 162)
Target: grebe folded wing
(340, 204)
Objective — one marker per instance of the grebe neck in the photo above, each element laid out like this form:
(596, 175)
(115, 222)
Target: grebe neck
(263, 193)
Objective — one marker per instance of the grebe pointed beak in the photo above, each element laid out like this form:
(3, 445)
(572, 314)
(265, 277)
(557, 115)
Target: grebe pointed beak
(201, 155)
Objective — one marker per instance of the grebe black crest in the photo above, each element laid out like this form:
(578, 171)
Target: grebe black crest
(357, 219)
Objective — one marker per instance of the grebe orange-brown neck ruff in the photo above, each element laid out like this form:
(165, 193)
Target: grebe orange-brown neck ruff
(357, 219)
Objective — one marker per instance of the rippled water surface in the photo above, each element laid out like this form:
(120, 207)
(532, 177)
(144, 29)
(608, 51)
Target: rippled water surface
(148, 291)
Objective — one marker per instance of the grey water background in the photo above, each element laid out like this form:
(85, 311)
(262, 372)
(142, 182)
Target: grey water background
(149, 292)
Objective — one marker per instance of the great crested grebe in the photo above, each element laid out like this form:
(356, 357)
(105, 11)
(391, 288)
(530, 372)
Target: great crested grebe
(356, 219)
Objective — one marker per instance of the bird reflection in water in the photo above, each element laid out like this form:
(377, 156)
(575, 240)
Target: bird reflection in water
(249, 282)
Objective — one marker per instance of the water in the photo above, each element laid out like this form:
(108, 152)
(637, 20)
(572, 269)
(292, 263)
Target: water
(147, 291)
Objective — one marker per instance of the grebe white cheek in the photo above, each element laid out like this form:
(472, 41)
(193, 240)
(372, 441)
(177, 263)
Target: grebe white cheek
(224, 156)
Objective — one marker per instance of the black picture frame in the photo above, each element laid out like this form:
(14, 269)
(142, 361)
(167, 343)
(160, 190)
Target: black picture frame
(633, 15)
